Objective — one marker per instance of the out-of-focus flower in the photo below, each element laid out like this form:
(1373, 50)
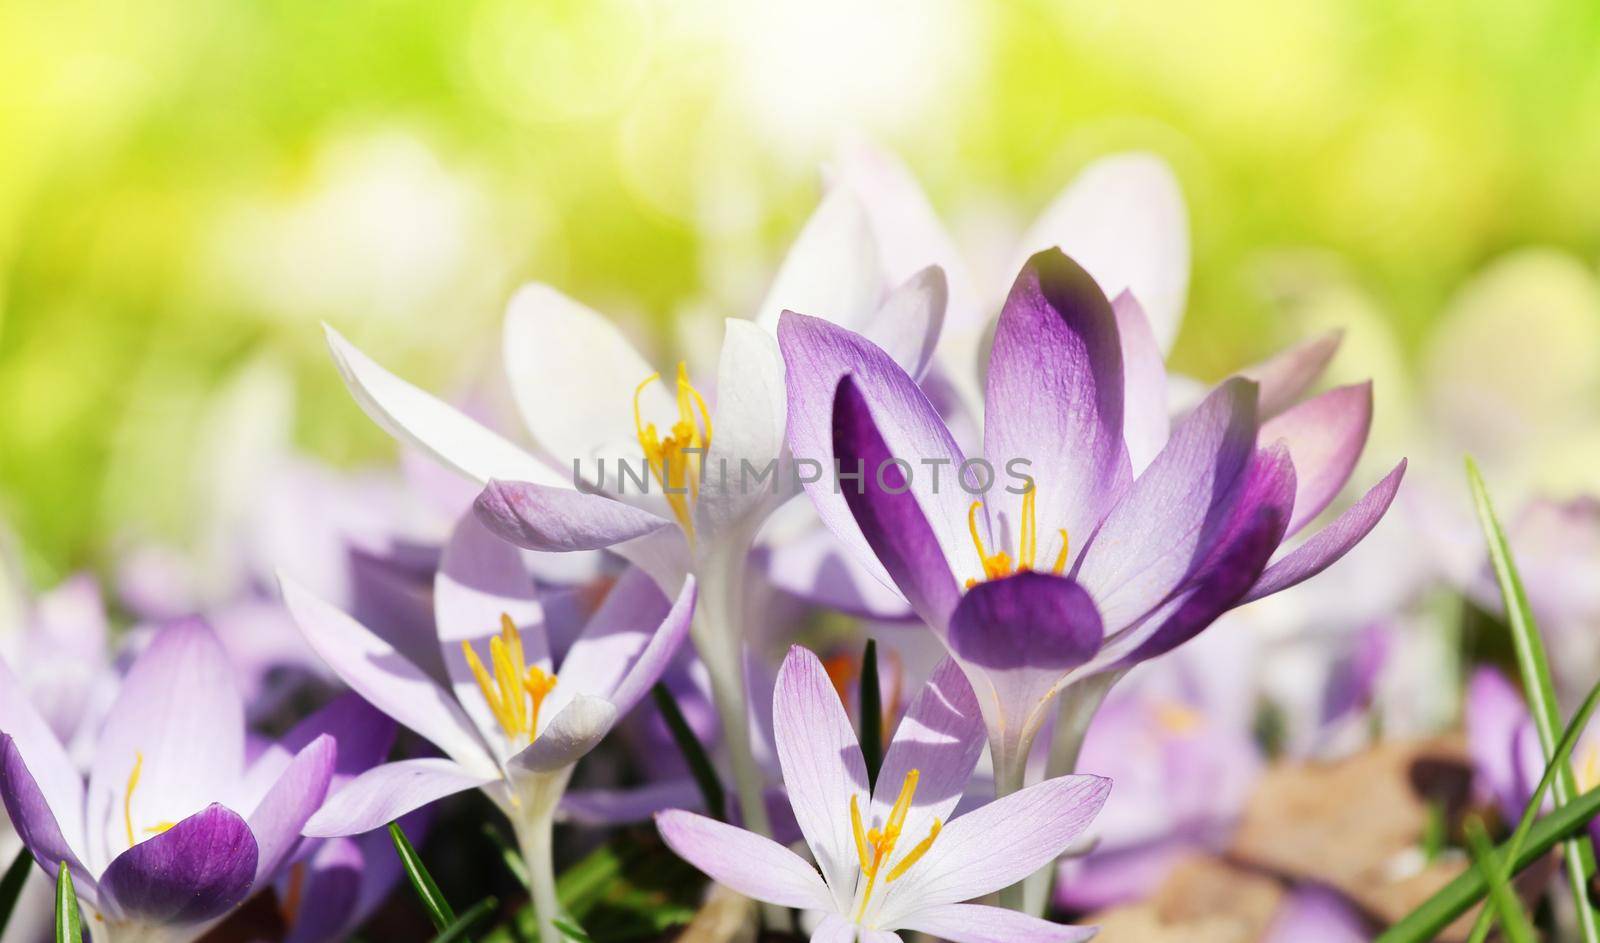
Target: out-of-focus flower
(1317, 915)
(1139, 564)
(507, 720)
(888, 859)
(155, 844)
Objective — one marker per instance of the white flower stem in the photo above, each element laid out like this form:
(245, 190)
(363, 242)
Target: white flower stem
(1010, 775)
(534, 822)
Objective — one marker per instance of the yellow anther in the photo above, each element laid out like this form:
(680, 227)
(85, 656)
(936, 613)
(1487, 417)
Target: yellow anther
(511, 683)
(998, 564)
(861, 837)
(916, 853)
(675, 462)
(1177, 718)
(875, 846)
(127, 795)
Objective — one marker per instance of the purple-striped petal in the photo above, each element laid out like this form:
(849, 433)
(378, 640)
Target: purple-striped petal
(179, 717)
(754, 866)
(1325, 436)
(195, 871)
(384, 793)
(997, 845)
(1145, 419)
(47, 759)
(822, 765)
(1327, 545)
(34, 819)
(328, 895)
(815, 568)
(1495, 713)
(363, 734)
(626, 644)
(941, 737)
(818, 355)
(1152, 540)
(978, 923)
(289, 804)
(1054, 399)
(1285, 377)
(545, 517)
(887, 514)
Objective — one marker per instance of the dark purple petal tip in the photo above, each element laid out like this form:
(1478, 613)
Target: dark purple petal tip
(195, 871)
(1026, 620)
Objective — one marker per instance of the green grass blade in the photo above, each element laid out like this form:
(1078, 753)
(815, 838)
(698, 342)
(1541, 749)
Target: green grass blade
(573, 932)
(508, 854)
(705, 775)
(1540, 691)
(871, 701)
(1530, 812)
(69, 921)
(1501, 895)
(457, 930)
(11, 886)
(421, 881)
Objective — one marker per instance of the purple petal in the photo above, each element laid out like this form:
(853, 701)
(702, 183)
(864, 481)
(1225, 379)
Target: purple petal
(363, 734)
(1495, 713)
(195, 871)
(908, 323)
(289, 804)
(34, 818)
(941, 737)
(1054, 399)
(1145, 420)
(978, 923)
(815, 568)
(51, 767)
(608, 807)
(384, 793)
(889, 516)
(998, 845)
(1317, 915)
(1325, 436)
(330, 888)
(1155, 536)
(823, 769)
(1330, 543)
(754, 866)
(178, 709)
(818, 355)
(1285, 377)
(627, 643)
(543, 517)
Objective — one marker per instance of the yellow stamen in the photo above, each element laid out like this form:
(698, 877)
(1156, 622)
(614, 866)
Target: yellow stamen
(874, 847)
(861, 837)
(998, 564)
(512, 683)
(916, 853)
(538, 683)
(676, 469)
(127, 795)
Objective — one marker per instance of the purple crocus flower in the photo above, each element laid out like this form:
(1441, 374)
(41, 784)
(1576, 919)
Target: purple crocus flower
(1317, 915)
(507, 719)
(1114, 541)
(173, 830)
(889, 860)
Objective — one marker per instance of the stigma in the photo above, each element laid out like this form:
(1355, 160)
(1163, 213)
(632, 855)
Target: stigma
(875, 846)
(999, 563)
(675, 462)
(127, 804)
(513, 689)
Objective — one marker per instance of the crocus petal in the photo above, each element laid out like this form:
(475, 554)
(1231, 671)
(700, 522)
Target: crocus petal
(941, 737)
(1285, 377)
(541, 517)
(51, 767)
(329, 894)
(754, 866)
(998, 845)
(179, 716)
(1145, 420)
(748, 430)
(569, 736)
(386, 678)
(818, 356)
(1317, 915)
(363, 734)
(1325, 436)
(441, 430)
(33, 817)
(908, 323)
(195, 871)
(1494, 713)
(977, 923)
(1054, 398)
(1153, 538)
(832, 271)
(1022, 634)
(573, 376)
(887, 514)
(626, 644)
(815, 568)
(822, 765)
(607, 807)
(384, 793)
(1327, 545)
(1124, 220)
(277, 821)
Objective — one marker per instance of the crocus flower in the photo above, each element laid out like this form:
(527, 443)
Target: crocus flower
(509, 722)
(647, 468)
(1086, 562)
(1317, 915)
(173, 830)
(889, 859)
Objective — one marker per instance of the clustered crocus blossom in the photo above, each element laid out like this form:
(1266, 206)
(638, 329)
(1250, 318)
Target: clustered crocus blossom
(1085, 568)
(509, 721)
(173, 830)
(891, 856)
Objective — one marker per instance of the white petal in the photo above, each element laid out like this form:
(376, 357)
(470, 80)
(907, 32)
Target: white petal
(908, 323)
(580, 726)
(749, 429)
(832, 271)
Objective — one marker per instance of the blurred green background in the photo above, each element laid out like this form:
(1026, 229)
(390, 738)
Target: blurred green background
(187, 186)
